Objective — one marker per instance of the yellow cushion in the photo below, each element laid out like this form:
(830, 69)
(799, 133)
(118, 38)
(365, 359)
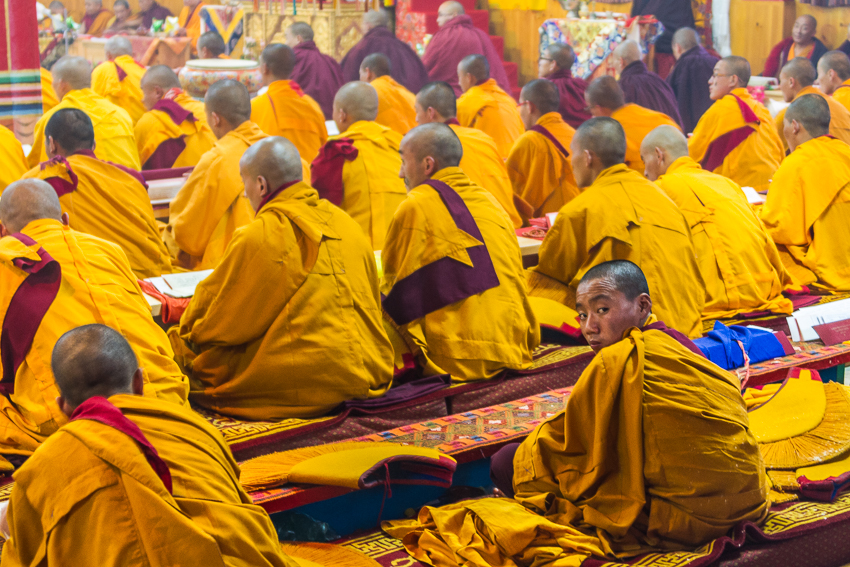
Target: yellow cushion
(829, 470)
(797, 408)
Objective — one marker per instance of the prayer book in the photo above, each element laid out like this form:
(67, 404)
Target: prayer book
(803, 321)
(179, 285)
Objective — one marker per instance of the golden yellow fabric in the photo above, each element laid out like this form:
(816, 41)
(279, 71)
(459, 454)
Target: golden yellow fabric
(839, 117)
(125, 93)
(13, 162)
(623, 216)
(48, 95)
(104, 480)
(753, 162)
(111, 204)
(637, 122)
(97, 287)
(316, 338)
(490, 109)
(113, 129)
(285, 111)
(541, 174)
(797, 408)
(842, 94)
(738, 260)
(156, 127)
(100, 23)
(212, 204)
(190, 20)
(395, 105)
(807, 210)
(477, 337)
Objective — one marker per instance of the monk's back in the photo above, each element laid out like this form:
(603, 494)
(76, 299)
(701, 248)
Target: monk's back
(119, 82)
(284, 110)
(490, 109)
(637, 122)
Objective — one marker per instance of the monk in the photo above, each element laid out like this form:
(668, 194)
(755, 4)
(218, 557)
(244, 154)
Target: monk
(123, 20)
(48, 95)
(485, 106)
(150, 10)
(834, 76)
(405, 65)
(211, 46)
(113, 127)
(96, 18)
(317, 276)
(736, 137)
(689, 78)
(539, 162)
(119, 78)
(158, 478)
(174, 131)
(53, 279)
(737, 259)
(802, 43)
(556, 66)
(13, 162)
(395, 103)
(319, 75)
(809, 199)
(285, 110)
(189, 21)
(481, 161)
(457, 39)
(639, 85)
(455, 292)
(357, 170)
(605, 98)
(620, 215)
(673, 14)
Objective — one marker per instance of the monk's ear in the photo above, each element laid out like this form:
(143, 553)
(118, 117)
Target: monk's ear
(138, 382)
(66, 219)
(4, 232)
(645, 305)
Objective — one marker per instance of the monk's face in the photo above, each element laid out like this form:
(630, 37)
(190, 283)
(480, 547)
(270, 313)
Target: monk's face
(145, 5)
(423, 115)
(804, 30)
(653, 162)
(256, 187)
(465, 80)
(151, 95)
(581, 160)
(121, 12)
(93, 7)
(444, 15)
(788, 86)
(526, 113)
(828, 80)
(415, 169)
(722, 82)
(289, 38)
(605, 313)
(546, 66)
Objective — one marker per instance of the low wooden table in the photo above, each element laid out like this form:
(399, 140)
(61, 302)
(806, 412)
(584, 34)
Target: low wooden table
(149, 51)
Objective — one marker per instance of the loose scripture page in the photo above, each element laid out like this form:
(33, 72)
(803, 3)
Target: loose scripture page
(179, 285)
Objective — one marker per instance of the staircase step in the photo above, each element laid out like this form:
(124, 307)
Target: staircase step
(434, 5)
(512, 70)
(480, 19)
(499, 44)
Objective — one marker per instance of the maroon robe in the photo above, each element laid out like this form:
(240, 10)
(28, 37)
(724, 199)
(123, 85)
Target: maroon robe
(649, 90)
(778, 56)
(405, 65)
(689, 80)
(318, 75)
(156, 12)
(573, 107)
(456, 40)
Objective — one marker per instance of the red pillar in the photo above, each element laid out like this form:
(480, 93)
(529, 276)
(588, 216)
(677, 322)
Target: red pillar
(20, 79)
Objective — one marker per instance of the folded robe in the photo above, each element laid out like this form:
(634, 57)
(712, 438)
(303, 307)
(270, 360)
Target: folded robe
(174, 133)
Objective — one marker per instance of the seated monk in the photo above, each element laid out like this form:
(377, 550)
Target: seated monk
(319, 75)
(736, 137)
(738, 260)
(189, 21)
(395, 103)
(605, 98)
(211, 46)
(673, 15)
(405, 65)
(539, 162)
(96, 18)
(159, 479)
(802, 43)
(53, 279)
(13, 162)
(620, 215)
(316, 339)
(689, 78)
(284, 110)
(123, 21)
(103, 199)
(834, 76)
(150, 10)
(174, 131)
(809, 199)
(481, 161)
(48, 95)
(797, 79)
(556, 66)
(641, 87)
(358, 169)
(119, 78)
(485, 106)
(453, 283)
(113, 127)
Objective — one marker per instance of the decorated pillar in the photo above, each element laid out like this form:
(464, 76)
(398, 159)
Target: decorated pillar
(20, 78)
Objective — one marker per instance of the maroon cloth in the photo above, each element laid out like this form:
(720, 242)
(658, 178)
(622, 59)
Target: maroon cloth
(124, 168)
(319, 75)
(326, 169)
(779, 56)
(166, 154)
(674, 14)
(649, 90)
(177, 113)
(673, 333)
(405, 65)
(548, 135)
(502, 468)
(275, 193)
(689, 81)
(457, 39)
(573, 107)
(89, 20)
(721, 146)
(156, 12)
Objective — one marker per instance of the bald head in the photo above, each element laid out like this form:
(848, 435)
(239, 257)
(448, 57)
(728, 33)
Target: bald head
(26, 201)
(75, 72)
(117, 46)
(279, 61)
(686, 39)
(604, 138)
(375, 19)
(628, 52)
(660, 148)
(160, 76)
(739, 67)
(542, 94)
(836, 61)
(301, 30)
(605, 92)
(448, 11)
(477, 66)
(811, 112)
(801, 70)
(378, 63)
(211, 44)
(358, 100)
(805, 28)
(440, 96)
(562, 54)
(230, 101)
(267, 165)
(437, 141)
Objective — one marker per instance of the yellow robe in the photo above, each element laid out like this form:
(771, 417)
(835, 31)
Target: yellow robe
(48, 95)
(623, 216)
(738, 260)
(637, 122)
(286, 111)
(484, 166)
(190, 20)
(490, 109)
(100, 23)
(126, 92)
(97, 287)
(749, 163)
(541, 174)
(477, 336)
(316, 339)
(113, 129)
(212, 204)
(839, 117)
(13, 162)
(112, 204)
(395, 105)
(807, 210)
(842, 94)
(156, 127)
(90, 474)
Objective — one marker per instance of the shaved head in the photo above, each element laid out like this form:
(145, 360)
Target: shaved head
(378, 63)
(28, 200)
(274, 158)
(75, 71)
(71, 129)
(810, 111)
(452, 7)
(358, 100)
(543, 94)
(629, 52)
(118, 45)
(212, 42)
(279, 59)
(160, 76)
(836, 61)
(230, 100)
(437, 141)
(440, 96)
(302, 30)
(605, 91)
(605, 138)
(739, 67)
(477, 66)
(801, 70)
(376, 19)
(562, 54)
(686, 39)
(626, 277)
(660, 148)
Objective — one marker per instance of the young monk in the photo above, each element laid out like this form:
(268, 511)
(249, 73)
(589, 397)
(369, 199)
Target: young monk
(118, 79)
(620, 216)
(395, 103)
(485, 106)
(52, 279)
(13, 162)
(357, 170)
(539, 162)
(211, 46)
(153, 479)
(834, 76)
(481, 161)
(556, 66)
(316, 273)
(452, 280)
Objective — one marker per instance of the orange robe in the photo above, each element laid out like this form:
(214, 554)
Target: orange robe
(490, 109)
(174, 133)
(736, 138)
(99, 24)
(190, 20)
(395, 105)
(286, 111)
(48, 95)
(839, 117)
(637, 122)
(119, 81)
(540, 169)
(842, 94)
(13, 162)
